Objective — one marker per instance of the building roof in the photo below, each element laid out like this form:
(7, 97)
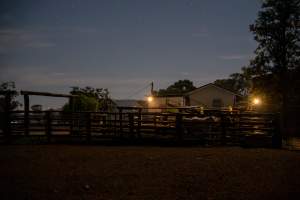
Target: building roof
(46, 94)
(128, 103)
(200, 88)
(169, 95)
(213, 85)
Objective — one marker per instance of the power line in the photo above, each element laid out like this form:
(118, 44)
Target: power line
(138, 91)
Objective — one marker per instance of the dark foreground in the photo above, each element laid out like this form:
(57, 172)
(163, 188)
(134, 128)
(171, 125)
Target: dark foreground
(102, 172)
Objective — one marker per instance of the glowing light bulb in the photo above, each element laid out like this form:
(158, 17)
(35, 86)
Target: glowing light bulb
(256, 101)
(150, 99)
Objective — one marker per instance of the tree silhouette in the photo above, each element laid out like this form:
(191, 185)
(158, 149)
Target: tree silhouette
(277, 32)
(9, 87)
(90, 99)
(239, 83)
(178, 88)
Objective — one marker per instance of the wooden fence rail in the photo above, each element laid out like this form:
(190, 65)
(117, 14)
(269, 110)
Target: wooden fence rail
(223, 128)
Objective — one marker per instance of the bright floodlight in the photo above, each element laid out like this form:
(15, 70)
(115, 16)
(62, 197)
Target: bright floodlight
(256, 101)
(150, 99)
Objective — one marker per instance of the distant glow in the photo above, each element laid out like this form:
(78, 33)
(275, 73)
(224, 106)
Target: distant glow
(256, 101)
(202, 110)
(150, 99)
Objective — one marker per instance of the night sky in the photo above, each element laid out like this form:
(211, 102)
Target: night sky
(122, 45)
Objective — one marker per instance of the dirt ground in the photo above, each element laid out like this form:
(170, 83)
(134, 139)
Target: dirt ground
(132, 172)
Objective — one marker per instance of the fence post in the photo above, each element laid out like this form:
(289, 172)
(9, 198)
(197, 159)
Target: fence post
(154, 121)
(71, 118)
(139, 122)
(120, 121)
(26, 114)
(115, 124)
(105, 124)
(223, 126)
(131, 124)
(7, 117)
(7, 124)
(179, 126)
(277, 136)
(88, 125)
(48, 125)
(71, 104)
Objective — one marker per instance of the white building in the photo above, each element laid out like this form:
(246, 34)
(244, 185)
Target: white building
(209, 96)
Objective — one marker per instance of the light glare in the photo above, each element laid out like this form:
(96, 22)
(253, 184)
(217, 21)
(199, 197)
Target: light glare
(256, 101)
(150, 99)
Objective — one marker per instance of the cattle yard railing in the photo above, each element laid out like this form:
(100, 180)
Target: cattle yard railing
(209, 128)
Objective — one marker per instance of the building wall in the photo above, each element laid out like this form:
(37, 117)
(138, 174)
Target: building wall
(206, 95)
(159, 102)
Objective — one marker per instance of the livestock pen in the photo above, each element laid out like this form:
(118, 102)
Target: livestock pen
(208, 127)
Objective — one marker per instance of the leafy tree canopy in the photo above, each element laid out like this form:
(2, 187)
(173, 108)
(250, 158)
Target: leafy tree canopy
(277, 31)
(239, 83)
(90, 99)
(274, 71)
(178, 88)
(9, 87)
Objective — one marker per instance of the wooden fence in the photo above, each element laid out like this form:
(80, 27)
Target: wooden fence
(208, 128)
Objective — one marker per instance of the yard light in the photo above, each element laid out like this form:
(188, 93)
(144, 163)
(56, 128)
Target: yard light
(202, 110)
(256, 101)
(150, 99)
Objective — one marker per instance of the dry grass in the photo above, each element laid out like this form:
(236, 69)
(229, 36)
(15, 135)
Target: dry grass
(101, 172)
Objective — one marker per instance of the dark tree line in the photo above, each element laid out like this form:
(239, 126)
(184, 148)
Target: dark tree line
(274, 71)
(239, 83)
(8, 88)
(90, 99)
(277, 31)
(178, 88)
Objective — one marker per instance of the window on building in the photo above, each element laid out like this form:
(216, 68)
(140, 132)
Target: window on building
(217, 103)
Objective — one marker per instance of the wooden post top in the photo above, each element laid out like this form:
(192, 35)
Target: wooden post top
(46, 94)
(7, 92)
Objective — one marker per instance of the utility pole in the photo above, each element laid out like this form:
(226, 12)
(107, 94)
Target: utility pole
(152, 88)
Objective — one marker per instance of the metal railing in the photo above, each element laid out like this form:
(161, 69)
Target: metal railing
(208, 127)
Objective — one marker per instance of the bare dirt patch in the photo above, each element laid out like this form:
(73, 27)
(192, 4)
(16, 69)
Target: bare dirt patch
(102, 172)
